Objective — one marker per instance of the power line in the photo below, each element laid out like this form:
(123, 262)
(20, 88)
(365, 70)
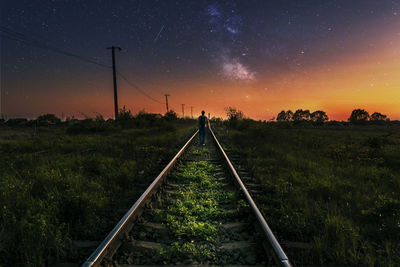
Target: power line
(17, 36)
(138, 89)
(20, 37)
(55, 50)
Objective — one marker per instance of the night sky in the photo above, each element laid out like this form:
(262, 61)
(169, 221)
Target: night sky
(259, 56)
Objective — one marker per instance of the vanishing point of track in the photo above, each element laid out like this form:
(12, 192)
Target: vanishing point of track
(196, 212)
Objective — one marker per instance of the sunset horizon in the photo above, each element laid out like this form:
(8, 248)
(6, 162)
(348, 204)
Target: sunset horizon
(292, 56)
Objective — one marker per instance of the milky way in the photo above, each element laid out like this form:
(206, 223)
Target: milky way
(226, 23)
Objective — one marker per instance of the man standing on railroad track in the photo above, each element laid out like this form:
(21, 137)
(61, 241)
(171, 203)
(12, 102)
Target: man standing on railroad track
(202, 128)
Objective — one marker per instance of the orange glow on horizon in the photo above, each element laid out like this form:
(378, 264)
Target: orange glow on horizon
(369, 80)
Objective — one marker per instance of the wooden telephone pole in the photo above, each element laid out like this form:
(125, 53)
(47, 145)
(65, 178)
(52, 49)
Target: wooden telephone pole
(115, 79)
(166, 101)
(183, 110)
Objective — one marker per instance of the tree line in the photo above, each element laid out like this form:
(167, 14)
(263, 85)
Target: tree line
(302, 115)
(233, 114)
(125, 115)
(319, 116)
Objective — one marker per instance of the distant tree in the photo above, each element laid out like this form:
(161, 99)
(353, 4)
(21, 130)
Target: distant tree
(302, 115)
(289, 115)
(170, 115)
(47, 119)
(319, 116)
(125, 117)
(150, 117)
(359, 116)
(376, 116)
(285, 116)
(234, 114)
(124, 114)
(281, 116)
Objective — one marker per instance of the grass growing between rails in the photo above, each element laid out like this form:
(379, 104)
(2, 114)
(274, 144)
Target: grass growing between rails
(190, 215)
(62, 183)
(195, 213)
(335, 188)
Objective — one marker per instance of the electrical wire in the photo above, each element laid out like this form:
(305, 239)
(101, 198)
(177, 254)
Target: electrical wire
(16, 36)
(138, 88)
(20, 37)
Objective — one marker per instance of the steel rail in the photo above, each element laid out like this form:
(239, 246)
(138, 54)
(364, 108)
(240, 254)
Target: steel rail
(101, 251)
(280, 256)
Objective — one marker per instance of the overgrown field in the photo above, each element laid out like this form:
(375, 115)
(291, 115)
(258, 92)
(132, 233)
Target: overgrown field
(336, 189)
(62, 184)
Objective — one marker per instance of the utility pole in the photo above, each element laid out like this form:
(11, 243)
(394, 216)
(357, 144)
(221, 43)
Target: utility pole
(166, 101)
(183, 110)
(191, 111)
(115, 79)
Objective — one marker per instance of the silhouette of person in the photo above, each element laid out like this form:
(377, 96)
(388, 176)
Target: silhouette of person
(202, 127)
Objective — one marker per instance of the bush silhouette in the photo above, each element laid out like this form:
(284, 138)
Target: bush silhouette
(319, 116)
(171, 115)
(359, 116)
(376, 116)
(47, 119)
(234, 114)
(302, 115)
(285, 116)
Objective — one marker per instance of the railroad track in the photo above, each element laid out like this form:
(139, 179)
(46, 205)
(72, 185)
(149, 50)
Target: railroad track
(196, 212)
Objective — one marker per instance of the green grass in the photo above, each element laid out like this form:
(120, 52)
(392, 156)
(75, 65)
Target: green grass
(60, 185)
(335, 188)
(192, 215)
(201, 151)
